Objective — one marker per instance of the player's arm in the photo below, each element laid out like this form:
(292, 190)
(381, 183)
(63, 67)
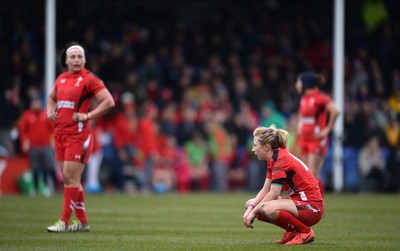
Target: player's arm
(333, 114)
(275, 191)
(252, 204)
(273, 194)
(51, 106)
(105, 103)
(263, 192)
(299, 123)
(333, 111)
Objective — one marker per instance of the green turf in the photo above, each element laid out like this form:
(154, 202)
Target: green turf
(194, 222)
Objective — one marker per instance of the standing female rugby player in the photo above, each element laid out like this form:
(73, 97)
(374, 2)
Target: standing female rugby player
(286, 173)
(317, 115)
(68, 105)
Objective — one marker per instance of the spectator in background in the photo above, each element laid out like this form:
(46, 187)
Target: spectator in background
(221, 152)
(258, 91)
(240, 90)
(168, 121)
(373, 14)
(368, 114)
(394, 101)
(353, 121)
(250, 116)
(271, 116)
(372, 166)
(9, 102)
(111, 168)
(240, 132)
(392, 131)
(36, 133)
(188, 125)
(254, 172)
(197, 154)
(147, 140)
(164, 179)
(125, 134)
(317, 115)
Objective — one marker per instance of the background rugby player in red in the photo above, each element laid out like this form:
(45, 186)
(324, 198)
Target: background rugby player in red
(316, 118)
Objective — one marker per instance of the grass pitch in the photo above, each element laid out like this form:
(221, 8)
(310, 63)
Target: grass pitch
(194, 222)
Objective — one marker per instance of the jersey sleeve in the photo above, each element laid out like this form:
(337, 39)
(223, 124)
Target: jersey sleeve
(269, 171)
(55, 87)
(95, 85)
(323, 99)
(279, 169)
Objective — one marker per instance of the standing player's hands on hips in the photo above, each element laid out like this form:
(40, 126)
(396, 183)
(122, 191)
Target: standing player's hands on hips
(323, 133)
(79, 117)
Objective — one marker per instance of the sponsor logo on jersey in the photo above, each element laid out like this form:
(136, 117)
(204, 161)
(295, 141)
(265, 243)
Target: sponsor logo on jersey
(65, 104)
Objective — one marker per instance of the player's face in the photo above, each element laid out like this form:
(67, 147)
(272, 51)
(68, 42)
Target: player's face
(259, 150)
(75, 61)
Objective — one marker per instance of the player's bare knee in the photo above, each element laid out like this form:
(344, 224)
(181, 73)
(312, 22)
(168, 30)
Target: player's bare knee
(265, 210)
(269, 210)
(67, 181)
(70, 180)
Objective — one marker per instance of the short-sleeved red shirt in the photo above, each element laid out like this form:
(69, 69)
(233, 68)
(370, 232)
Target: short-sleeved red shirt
(313, 113)
(299, 182)
(74, 92)
(36, 127)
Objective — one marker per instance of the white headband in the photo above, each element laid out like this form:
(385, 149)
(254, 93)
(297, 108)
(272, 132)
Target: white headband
(75, 47)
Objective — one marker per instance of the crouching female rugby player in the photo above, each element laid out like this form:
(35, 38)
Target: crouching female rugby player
(285, 173)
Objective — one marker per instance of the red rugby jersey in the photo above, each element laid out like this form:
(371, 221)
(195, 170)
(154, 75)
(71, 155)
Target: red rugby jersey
(35, 127)
(313, 113)
(74, 92)
(299, 182)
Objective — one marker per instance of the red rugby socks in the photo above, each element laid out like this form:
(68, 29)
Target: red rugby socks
(80, 208)
(290, 223)
(70, 197)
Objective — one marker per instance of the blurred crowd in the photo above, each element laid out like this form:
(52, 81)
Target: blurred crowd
(192, 80)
